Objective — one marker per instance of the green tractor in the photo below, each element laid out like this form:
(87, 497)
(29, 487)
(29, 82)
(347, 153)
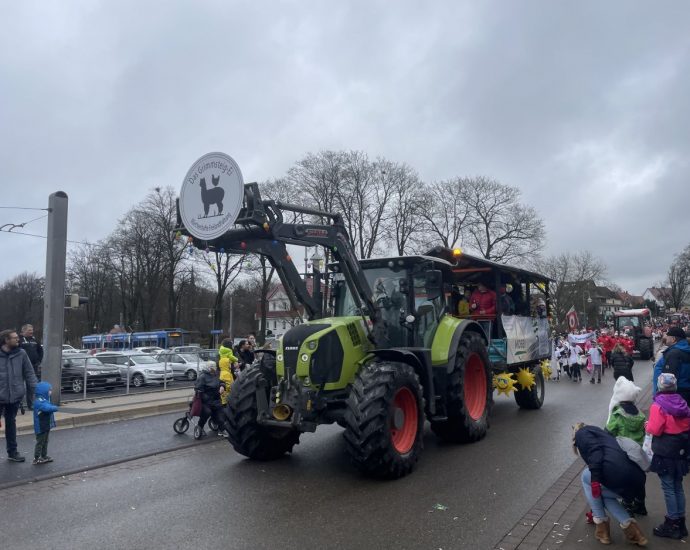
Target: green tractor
(391, 354)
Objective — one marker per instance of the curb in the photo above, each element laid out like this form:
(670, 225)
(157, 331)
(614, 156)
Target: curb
(94, 418)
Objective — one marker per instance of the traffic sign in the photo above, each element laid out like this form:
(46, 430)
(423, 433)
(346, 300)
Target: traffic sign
(216, 332)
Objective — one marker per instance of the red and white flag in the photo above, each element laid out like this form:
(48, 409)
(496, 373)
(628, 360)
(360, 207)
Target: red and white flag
(571, 319)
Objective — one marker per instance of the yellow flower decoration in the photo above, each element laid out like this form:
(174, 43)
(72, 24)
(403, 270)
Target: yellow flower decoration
(526, 379)
(504, 383)
(546, 368)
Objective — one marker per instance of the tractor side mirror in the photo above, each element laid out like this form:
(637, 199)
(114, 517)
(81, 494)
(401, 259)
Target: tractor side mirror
(433, 284)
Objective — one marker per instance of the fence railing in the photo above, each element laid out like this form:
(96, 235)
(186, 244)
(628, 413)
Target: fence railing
(113, 373)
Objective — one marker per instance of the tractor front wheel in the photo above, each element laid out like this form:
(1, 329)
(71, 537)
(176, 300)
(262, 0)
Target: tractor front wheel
(384, 422)
(532, 398)
(469, 394)
(646, 348)
(247, 436)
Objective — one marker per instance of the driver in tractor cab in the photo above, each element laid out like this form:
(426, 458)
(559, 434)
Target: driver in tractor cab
(464, 302)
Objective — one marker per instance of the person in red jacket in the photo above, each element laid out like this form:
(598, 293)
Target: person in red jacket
(483, 301)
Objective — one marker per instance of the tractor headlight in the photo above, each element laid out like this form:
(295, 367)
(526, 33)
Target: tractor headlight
(307, 381)
(305, 357)
(312, 345)
(279, 357)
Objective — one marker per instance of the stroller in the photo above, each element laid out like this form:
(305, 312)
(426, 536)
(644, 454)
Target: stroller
(181, 425)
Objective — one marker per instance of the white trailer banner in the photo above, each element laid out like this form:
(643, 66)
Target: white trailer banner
(527, 338)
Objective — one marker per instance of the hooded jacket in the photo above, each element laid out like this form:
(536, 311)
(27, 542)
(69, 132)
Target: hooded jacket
(226, 378)
(608, 463)
(675, 359)
(224, 352)
(44, 417)
(669, 422)
(15, 372)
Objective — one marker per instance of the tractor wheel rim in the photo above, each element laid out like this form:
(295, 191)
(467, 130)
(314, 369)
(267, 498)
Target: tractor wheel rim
(403, 422)
(475, 386)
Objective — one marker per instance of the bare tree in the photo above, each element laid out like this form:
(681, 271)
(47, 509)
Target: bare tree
(445, 214)
(679, 279)
(501, 228)
(572, 275)
(406, 207)
(22, 301)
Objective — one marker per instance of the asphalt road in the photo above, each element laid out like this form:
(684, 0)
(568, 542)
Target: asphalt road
(207, 496)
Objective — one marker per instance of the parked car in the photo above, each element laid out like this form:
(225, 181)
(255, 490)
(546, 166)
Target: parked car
(98, 375)
(209, 355)
(68, 350)
(184, 365)
(185, 349)
(141, 368)
(152, 350)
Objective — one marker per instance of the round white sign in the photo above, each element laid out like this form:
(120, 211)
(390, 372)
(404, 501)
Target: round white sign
(211, 196)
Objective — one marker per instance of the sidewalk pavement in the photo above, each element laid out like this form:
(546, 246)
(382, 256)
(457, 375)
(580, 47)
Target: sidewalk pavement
(99, 410)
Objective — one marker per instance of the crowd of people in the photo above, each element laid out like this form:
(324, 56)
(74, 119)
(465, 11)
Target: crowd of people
(593, 352)
(619, 455)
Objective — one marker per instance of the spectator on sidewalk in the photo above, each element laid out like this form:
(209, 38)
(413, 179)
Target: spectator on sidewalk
(209, 387)
(669, 422)
(16, 372)
(225, 353)
(621, 362)
(246, 355)
(34, 349)
(44, 421)
(676, 360)
(626, 420)
(609, 476)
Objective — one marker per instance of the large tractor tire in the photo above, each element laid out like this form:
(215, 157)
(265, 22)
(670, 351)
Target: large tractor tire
(247, 436)
(384, 422)
(646, 348)
(532, 398)
(469, 396)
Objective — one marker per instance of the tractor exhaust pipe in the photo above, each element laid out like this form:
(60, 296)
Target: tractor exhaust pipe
(282, 412)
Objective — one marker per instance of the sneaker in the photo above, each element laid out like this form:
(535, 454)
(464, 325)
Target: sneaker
(37, 461)
(16, 457)
(47, 458)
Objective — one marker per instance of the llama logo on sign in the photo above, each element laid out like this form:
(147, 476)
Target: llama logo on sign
(211, 196)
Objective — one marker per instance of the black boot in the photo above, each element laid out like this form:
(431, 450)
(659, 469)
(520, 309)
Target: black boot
(669, 529)
(638, 507)
(681, 527)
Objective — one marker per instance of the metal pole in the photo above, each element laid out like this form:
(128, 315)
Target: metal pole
(54, 295)
(230, 334)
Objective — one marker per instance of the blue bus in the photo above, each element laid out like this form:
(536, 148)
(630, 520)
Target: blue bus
(162, 338)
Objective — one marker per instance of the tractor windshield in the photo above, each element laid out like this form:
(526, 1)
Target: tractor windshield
(386, 286)
(628, 322)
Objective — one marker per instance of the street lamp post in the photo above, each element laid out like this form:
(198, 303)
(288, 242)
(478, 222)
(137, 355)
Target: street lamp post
(584, 309)
(316, 261)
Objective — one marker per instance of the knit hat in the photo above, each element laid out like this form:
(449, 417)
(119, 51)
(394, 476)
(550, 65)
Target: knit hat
(666, 382)
(676, 332)
(623, 390)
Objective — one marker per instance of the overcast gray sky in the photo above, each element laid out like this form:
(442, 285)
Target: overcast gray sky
(582, 105)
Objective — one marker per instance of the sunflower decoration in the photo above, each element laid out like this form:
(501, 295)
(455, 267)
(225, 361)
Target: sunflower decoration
(546, 369)
(504, 383)
(526, 379)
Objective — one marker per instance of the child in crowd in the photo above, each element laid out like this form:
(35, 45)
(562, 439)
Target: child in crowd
(669, 422)
(574, 362)
(595, 355)
(44, 420)
(626, 420)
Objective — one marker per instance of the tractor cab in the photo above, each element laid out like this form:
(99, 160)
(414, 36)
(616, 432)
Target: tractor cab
(409, 291)
(636, 323)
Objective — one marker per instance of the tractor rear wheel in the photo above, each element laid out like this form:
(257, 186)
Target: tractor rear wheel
(469, 394)
(384, 422)
(247, 436)
(646, 348)
(532, 398)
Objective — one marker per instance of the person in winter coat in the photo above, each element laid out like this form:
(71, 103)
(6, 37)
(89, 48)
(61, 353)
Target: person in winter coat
(246, 355)
(609, 475)
(16, 372)
(225, 352)
(44, 421)
(626, 420)
(483, 301)
(622, 363)
(669, 422)
(676, 360)
(226, 379)
(209, 386)
(34, 349)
